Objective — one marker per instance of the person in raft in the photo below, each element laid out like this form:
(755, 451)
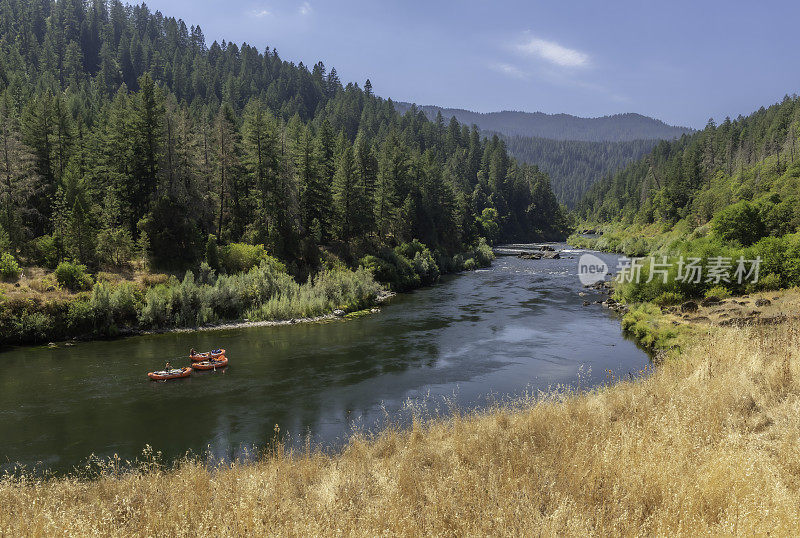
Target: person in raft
(168, 367)
(192, 352)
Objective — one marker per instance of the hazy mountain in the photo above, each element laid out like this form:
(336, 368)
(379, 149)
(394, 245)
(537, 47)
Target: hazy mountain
(616, 128)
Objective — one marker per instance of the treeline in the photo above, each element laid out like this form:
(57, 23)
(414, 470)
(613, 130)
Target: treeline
(573, 165)
(615, 128)
(125, 135)
(750, 158)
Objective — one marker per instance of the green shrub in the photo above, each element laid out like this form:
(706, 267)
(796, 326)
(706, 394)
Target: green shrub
(261, 293)
(125, 301)
(635, 246)
(770, 282)
(645, 324)
(422, 261)
(426, 267)
(33, 327)
(80, 318)
(669, 298)
(470, 264)
(780, 217)
(411, 249)
(45, 251)
(392, 269)
(720, 292)
(73, 276)
(115, 246)
(206, 274)
(9, 268)
(740, 223)
(483, 253)
(212, 252)
(241, 257)
(488, 224)
(457, 263)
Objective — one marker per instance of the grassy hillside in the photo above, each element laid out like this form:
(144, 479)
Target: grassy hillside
(706, 444)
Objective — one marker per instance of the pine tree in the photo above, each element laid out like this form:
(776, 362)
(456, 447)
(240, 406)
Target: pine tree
(260, 144)
(366, 170)
(226, 160)
(147, 123)
(319, 194)
(345, 191)
(18, 178)
(114, 243)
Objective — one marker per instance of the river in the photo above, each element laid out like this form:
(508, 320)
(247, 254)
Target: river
(518, 326)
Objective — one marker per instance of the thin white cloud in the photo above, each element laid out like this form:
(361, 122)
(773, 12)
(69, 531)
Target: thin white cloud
(554, 53)
(305, 8)
(509, 70)
(260, 13)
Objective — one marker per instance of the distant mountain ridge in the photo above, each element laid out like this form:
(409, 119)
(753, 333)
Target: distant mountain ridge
(616, 128)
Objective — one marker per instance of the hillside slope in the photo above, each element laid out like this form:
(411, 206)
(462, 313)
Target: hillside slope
(751, 158)
(615, 128)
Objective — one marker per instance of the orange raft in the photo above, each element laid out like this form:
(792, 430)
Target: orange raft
(171, 374)
(208, 355)
(212, 364)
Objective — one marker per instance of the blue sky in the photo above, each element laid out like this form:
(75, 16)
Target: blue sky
(679, 61)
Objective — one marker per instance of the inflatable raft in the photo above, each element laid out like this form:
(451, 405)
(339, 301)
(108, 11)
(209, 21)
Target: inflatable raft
(170, 374)
(208, 355)
(212, 364)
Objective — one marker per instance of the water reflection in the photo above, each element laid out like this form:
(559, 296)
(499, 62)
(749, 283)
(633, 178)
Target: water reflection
(515, 327)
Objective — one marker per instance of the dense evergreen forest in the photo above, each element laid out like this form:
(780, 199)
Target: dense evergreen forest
(575, 152)
(615, 128)
(749, 159)
(573, 165)
(124, 134)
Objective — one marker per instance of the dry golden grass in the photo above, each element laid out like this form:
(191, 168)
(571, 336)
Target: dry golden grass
(709, 444)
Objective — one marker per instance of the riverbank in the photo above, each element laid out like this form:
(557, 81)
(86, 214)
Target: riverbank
(704, 444)
(264, 293)
(380, 299)
(40, 310)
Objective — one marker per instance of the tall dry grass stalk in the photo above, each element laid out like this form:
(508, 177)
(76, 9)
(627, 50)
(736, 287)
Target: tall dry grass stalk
(710, 443)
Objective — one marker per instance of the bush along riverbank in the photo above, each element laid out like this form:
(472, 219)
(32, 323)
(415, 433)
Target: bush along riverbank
(264, 291)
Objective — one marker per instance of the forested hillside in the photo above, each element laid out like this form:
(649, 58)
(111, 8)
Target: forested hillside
(574, 166)
(749, 159)
(123, 133)
(575, 152)
(615, 128)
